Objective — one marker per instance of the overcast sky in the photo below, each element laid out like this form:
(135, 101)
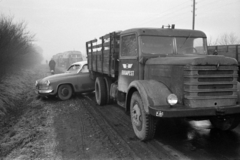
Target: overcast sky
(64, 25)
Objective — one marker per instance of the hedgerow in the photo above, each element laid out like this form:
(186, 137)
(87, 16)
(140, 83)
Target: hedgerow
(17, 49)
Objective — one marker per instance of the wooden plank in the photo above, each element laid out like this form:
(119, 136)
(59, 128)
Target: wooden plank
(211, 50)
(106, 44)
(105, 55)
(89, 62)
(93, 62)
(106, 36)
(99, 63)
(96, 46)
(238, 52)
(226, 50)
(92, 41)
(106, 63)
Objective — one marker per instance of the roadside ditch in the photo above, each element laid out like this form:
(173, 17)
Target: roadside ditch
(25, 120)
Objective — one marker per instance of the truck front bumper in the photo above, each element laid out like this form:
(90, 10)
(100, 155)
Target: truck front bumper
(181, 111)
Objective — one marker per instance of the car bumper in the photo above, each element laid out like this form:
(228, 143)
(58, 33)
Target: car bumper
(182, 111)
(44, 92)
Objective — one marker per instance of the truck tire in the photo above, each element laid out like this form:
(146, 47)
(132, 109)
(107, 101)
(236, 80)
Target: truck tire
(108, 83)
(100, 91)
(64, 92)
(144, 125)
(225, 123)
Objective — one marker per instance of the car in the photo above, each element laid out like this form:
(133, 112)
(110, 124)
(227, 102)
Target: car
(75, 80)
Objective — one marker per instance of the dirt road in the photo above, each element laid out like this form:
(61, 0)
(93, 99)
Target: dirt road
(87, 131)
(80, 129)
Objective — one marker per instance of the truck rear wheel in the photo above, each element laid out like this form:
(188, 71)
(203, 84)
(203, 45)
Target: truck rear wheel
(144, 125)
(225, 123)
(108, 83)
(100, 91)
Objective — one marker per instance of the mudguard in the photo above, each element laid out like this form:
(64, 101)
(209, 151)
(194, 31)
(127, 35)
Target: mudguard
(153, 93)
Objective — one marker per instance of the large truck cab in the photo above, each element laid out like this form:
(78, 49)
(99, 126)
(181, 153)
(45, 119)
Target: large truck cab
(164, 73)
(139, 45)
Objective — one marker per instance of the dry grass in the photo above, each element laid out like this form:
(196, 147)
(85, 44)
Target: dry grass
(26, 130)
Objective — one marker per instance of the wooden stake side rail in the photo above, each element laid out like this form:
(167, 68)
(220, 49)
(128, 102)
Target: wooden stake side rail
(103, 54)
(226, 50)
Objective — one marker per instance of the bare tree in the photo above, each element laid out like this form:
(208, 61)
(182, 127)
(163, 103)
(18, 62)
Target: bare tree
(211, 42)
(228, 39)
(16, 47)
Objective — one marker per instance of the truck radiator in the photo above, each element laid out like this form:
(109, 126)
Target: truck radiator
(209, 86)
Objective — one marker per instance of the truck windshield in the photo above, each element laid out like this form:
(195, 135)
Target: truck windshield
(151, 45)
(190, 45)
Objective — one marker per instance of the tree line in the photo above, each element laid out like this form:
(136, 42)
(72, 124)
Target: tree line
(17, 49)
(224, 39)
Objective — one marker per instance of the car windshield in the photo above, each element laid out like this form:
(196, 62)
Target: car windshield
(74, 68)
(151, 45)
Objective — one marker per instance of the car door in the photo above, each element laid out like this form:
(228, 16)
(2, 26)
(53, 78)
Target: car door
(85, 83)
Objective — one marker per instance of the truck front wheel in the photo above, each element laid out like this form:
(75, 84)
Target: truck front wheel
(144, 125)
(225, 123)
(100, 91)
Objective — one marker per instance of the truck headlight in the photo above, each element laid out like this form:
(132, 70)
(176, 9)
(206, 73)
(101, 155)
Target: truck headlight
(172, 99)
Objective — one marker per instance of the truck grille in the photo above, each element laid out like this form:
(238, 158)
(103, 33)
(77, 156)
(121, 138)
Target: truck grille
(208, 86)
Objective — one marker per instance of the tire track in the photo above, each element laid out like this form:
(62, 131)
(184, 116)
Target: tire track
(71, 136)
(82, 144)
(121, 123)
(122, 150)
(98, 131)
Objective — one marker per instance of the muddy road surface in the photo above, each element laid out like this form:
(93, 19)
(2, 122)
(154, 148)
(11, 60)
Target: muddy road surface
(105, 132)
(80, 129)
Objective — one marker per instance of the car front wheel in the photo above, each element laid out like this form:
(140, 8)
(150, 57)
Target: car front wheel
(64, 92)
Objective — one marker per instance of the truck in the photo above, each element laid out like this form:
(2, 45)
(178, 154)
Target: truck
(157, 73)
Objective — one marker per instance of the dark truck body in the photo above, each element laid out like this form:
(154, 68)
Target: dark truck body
(150, 64)
(232, 51)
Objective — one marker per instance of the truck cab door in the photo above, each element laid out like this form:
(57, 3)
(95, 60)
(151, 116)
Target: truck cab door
(128, 61)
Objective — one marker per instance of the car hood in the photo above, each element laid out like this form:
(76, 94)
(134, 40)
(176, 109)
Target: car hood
(56, 77)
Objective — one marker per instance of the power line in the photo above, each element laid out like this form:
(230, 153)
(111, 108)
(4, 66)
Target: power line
(165, 14)
(170, 12)
(216, 3)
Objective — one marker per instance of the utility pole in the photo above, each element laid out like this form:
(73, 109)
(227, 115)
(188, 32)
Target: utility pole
(193, 22)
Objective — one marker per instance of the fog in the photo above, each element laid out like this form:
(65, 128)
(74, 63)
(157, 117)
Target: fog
(61, 25)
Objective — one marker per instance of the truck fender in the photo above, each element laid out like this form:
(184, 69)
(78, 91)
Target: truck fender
(152, 92)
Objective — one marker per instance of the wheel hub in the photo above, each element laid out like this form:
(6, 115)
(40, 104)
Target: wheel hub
(136, 114)
(65, 92)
